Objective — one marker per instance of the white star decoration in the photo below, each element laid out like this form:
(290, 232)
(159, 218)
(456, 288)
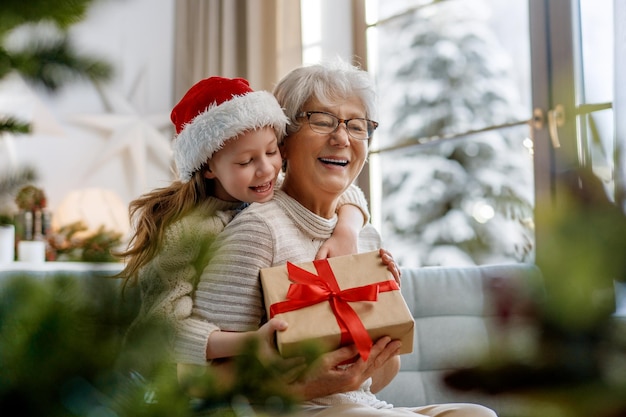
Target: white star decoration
(131, 135)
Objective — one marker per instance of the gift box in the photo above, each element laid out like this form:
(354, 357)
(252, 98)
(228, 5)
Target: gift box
(335, 302)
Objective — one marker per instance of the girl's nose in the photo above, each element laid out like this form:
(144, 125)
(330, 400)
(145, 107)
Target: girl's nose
(265, 166)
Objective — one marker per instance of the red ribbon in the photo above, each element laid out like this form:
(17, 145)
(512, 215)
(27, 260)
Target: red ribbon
(308, 289)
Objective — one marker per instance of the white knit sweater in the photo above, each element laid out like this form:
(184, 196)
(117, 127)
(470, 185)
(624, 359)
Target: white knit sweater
(264, 235)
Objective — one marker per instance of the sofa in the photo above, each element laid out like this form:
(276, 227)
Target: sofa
(455, 321)
(453, 308)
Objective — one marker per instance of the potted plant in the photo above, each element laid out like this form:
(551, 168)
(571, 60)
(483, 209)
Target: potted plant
(10, 182)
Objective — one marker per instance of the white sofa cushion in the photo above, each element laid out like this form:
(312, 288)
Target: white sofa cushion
(454, 322)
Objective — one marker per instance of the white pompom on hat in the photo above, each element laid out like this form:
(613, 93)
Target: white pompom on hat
(215, 110)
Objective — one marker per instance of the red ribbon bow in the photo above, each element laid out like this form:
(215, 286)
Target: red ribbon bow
(308, 289)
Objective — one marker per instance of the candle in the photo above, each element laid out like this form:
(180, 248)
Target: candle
(31, 251)
(7, 243)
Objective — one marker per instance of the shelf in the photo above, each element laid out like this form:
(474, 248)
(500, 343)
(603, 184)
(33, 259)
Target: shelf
(52, 268)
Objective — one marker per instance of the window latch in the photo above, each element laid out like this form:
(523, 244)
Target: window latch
(556, 119)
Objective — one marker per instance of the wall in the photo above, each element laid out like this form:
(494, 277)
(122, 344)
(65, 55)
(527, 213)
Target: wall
(80, 141)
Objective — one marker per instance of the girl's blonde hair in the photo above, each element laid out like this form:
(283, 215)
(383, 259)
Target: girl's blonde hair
(153, 212)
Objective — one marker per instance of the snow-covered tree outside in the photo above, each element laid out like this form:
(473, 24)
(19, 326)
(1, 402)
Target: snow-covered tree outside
(441, 71)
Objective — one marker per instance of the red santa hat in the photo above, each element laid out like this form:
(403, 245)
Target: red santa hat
(215, 110)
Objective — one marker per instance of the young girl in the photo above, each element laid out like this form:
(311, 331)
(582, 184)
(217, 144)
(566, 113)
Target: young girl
(226, 154)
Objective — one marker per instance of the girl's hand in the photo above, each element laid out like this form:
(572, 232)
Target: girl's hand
(291, 368)
(266, 335)
(391, 264)
(343, 242)
(345, 237)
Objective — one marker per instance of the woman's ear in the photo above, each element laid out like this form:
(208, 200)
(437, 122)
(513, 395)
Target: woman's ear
(283, 155)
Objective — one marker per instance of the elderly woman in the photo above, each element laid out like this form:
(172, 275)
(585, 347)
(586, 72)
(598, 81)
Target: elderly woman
(330, 110)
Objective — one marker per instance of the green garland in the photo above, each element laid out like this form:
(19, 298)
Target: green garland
(68, 245)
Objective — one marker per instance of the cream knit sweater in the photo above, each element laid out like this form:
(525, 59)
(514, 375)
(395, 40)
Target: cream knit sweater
(168, 281)
(264, 235)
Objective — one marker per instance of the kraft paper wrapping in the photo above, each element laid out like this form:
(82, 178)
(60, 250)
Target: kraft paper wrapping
(387, 316)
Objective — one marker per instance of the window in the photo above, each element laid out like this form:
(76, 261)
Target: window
(453, 153)
(483, 105)
(325, 31)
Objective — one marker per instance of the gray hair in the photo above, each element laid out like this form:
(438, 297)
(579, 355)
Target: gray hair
(326, 82)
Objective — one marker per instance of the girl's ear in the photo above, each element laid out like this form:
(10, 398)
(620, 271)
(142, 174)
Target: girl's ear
(208, 174)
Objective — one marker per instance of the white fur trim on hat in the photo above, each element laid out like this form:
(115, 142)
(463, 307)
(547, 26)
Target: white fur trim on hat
(208, 131)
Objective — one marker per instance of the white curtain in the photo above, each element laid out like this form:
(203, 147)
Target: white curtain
(254, 39)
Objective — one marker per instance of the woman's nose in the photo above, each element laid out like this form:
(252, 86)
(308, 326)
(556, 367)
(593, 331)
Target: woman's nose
(340, 136)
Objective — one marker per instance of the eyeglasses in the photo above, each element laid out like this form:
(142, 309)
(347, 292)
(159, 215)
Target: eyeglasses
(325, 123)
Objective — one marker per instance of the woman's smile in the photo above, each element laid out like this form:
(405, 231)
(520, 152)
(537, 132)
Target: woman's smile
(342, 162)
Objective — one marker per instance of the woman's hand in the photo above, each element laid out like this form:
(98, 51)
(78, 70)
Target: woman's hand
(328, 374)
(391, 264)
